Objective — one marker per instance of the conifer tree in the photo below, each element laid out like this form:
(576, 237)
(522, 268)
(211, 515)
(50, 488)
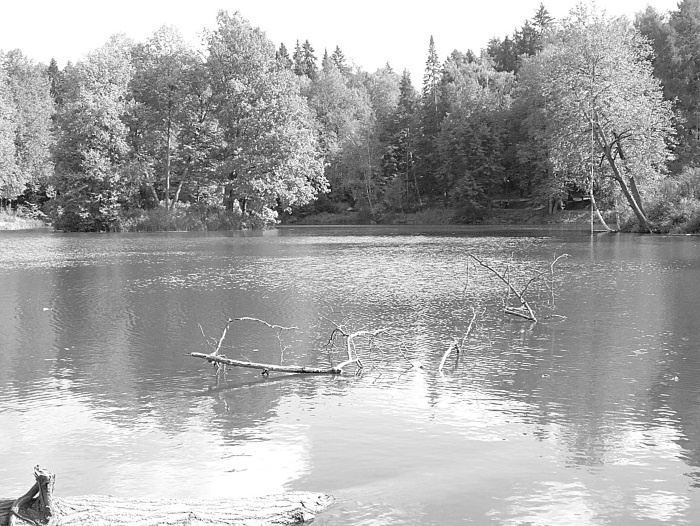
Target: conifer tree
(338, 58)
(431, 83)
(326, 63)
(54, 75)
(283, 57)
(309, 60)
(298, 60)
(430, 122)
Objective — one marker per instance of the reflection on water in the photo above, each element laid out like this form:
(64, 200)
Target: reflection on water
(589, 418)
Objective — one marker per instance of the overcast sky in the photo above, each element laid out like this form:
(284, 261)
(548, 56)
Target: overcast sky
(370, 32)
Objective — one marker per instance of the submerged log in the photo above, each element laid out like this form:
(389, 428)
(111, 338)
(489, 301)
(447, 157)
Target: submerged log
(98, 510)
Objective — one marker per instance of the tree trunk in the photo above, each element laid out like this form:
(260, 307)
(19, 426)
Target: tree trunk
(635, 204)
(167, 170)
(185, 173)
(155, 194)
(600, 216)
(637, 196)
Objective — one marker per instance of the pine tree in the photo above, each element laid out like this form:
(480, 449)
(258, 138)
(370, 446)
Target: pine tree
(283, 57)
(298, 60)
(326, 63)
(431, 82)
(309, 60)
(54, 75)
(542, 20)
(338, 58)
(430, 124)
(398, 161)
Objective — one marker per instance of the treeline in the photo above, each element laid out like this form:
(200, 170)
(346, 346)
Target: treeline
(159, 134)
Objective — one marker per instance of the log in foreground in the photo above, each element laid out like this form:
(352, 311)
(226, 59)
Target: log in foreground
(94, 510)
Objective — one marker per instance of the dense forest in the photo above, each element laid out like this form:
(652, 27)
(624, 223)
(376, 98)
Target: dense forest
(240, 132)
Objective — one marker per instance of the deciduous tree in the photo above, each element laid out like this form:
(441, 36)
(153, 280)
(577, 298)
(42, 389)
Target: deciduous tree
(603, 106)
(32, 108)
(269, 156)
(92, 141)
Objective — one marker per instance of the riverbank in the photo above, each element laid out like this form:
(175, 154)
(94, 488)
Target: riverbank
(446, 216)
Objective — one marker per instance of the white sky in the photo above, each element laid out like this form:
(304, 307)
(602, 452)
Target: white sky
(370, 32)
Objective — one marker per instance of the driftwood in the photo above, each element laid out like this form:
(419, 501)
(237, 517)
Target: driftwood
(95, 510)
(457, 346)
(215, 357)
(267, 367)
(524, 309)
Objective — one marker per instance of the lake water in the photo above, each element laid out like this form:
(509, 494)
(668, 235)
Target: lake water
(589, 417)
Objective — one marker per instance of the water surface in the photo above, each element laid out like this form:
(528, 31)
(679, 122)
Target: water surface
(588, 417)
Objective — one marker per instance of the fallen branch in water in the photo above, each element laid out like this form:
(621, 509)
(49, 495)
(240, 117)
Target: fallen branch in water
(267, 367)
(221, 361)
(524, 309)
(455, 345)
(91, 510)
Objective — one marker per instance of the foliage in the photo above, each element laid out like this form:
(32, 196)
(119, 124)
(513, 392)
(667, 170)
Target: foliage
(26, 138)
(471, 137)
(160, 134)
(269, 157)
(601, 102)
(509, 53)
(171, 133)
(92, 141)
(676, 48)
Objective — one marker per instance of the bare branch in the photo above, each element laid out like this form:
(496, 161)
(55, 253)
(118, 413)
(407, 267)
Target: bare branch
(271, 326)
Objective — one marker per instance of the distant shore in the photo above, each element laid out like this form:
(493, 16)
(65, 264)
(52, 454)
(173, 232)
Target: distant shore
(446, 216)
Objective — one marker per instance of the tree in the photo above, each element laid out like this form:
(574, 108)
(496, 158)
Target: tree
(431, 90)
(507, 54)
(326, 62)
(55, 76)
(269, 157)
(603, 107)
(9, 186)
(92, 140)
(283, 57)
(305, 60)
(430, 123)
(338, 58)
(470, 144)
(684, 81)
(503, 54)
(542, 20)
(398, 161)
(167, 74)
(346, 134)
(309, 61)
(32, 109)
(298, 60)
